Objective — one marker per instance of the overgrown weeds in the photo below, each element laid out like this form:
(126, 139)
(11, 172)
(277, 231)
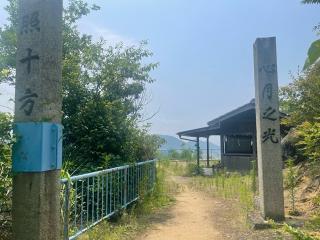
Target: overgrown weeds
(229, 186)
(176, 168)
(291, 183)
(298, 234)
(253, 174)
(193, 169)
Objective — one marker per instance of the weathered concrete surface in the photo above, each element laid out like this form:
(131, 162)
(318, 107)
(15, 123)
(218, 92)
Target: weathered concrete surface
(268, 129)
(36, 204)
(38, 80)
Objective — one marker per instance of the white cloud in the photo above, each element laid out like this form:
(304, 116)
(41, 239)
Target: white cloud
(6, 98)
(3, 13)
(107, 34)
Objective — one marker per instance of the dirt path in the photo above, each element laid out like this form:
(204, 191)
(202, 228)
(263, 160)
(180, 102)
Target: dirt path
(196, 216)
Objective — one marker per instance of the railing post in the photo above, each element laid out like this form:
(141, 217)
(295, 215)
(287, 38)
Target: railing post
(107, 193)
(154, 173)
(137, 180)
(125, 186)
(149, 175)
(66, 212)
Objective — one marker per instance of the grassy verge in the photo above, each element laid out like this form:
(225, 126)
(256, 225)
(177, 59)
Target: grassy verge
(229, 186)
(183, 168)
(240, 188)
(135, 219)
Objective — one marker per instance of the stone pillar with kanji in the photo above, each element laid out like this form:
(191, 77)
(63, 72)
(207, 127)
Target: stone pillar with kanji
(268, 129)
(37, 151)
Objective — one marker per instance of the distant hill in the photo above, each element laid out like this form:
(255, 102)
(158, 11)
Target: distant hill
(178, 144)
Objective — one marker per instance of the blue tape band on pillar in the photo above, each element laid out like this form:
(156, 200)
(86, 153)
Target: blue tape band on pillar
(38, 147)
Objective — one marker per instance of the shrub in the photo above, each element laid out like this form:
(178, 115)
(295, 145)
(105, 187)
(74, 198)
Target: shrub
(193, 169)
(253, 174)
(6, 141)
(291, 182)
(310, 143)
(298, 234)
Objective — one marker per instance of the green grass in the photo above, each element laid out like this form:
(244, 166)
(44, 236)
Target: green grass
(298, 234)
(183, 168)
(229, 186)
(132, 221)
(203, 163)
(239, 189)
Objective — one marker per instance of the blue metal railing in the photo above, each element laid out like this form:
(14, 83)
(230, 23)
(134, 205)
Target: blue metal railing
(90, 198)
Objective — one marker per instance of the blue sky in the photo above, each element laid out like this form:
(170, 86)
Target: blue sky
(204, 48)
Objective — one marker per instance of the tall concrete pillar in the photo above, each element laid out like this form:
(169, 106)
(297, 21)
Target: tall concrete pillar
(268, 129)
(37, 153)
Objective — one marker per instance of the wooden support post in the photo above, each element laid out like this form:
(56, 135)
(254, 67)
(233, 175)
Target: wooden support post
(36, 194)
(208, 154)
(198, 152)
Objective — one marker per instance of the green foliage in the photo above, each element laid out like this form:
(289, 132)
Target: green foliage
(313, 54)
(183, 154)
(103, 93)
(177, 168)
(314, 223)
(123, 229)
(174, 154)
(161, 195)
(311, 1)
(193, 169)
(300, 99)
(229, 186)
(298, 234)
(253, 174)
(314, 49)
(291, 182)
(309, 145)
(6, 141)
(186, 154)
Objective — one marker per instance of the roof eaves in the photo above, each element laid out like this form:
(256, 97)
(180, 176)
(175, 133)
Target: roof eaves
(246, 107)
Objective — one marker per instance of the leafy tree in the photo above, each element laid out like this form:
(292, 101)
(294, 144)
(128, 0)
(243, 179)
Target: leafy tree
(103, 93)
(6, 141)
(186, 154)
(309, 144)
(313, 54)
(301, 99)
(314, 49)
(311, 1)
(174, 154)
